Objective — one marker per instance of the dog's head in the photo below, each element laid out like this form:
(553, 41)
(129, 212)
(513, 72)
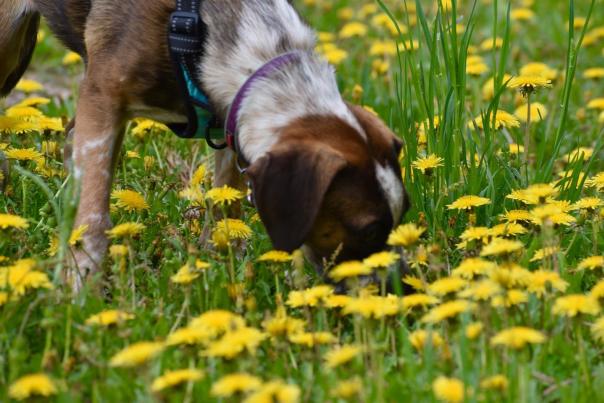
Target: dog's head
(328, 186)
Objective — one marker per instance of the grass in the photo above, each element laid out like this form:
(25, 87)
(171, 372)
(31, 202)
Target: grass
(423, 91)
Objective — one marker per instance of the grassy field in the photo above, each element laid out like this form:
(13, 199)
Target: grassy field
(508, 284)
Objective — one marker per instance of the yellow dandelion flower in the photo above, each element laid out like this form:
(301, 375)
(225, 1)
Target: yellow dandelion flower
(574, 304)
(495, 382)
(235, 342)
(24, 112)
(132, 154)
(447, 310)
(597, 103)
(128, 229)
(347, 388)
(597, 329)
(551, 213)
(232, 384)
(17, 126)
(312, 339)
(488, 44)
(502, 119)
(281, 324)
(173, 378)
(326, 36)
(334, 55)
(28, 86)
(428, 163)
(488, 88)
(510, 298)
(473, 330)
(517, 337)
(420, 338)
(136, 354)
(224, 195)
(539, 282)
(468, 202)
(353, 29)
(591, 263)
(233, 228)
(116, 251)
(275, 391)
(381, 260)
(528, 84)
(500, 246)
(448, 389)
(510, 275)
(510, 229)
(371, 306)
(446, 285)
(186, 274)
(341, 355)
(405, 235)
(23, 154)
(538, 112)
(522, 14)
(13, 221)
(349, 269)
(218, 321)
(32, 385)
(337, 301)
(594, 73)
(382, 48)
(275, 256)
(129, 200)
(411, 301)
(414, 282)
(472, 267)
(33, 101)
(477, 69)
(190, 335)
(597, 181)
(517, 215)
(109, 317)
(71, 58)
(597, 291)
(543, 253)
(481, 290)
(22, 276)
(146, 126)
(538, 69)
(588, 203)
(3, 298)
(309, 297)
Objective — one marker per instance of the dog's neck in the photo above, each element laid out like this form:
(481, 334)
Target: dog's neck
(258, 31)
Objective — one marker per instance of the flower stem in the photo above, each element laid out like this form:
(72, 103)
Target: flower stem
(527, 135)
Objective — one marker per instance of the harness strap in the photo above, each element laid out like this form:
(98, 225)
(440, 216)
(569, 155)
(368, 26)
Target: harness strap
(186, 38)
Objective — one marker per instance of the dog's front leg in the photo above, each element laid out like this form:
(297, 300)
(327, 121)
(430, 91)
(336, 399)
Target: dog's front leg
(97, 139)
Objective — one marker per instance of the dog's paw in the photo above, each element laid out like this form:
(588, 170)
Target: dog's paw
(81, 269)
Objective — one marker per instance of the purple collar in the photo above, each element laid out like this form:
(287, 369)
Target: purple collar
(230, 127)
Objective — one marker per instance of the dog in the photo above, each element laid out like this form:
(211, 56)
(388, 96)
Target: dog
(324, 173)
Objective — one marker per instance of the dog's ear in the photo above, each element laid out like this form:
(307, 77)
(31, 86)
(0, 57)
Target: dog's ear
(289, 185)
(20, 44)
(378, 133)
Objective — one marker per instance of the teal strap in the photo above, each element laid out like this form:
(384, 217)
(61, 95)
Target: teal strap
(201, 106)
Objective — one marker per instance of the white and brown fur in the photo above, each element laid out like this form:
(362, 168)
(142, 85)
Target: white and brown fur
(324, 173)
